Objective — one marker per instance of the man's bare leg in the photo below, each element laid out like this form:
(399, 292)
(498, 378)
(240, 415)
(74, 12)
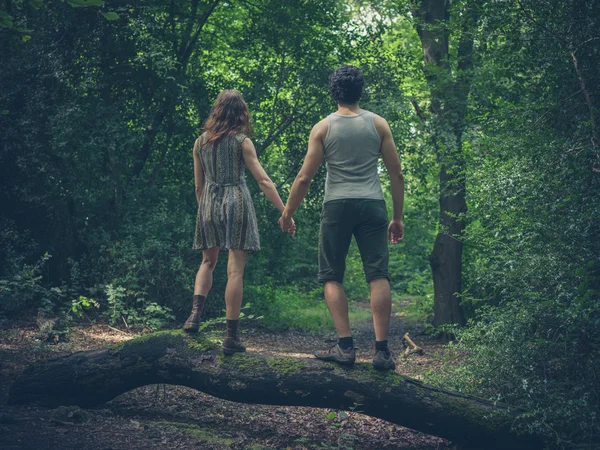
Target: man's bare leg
(336, 300)
(381, 306)
(343, 352)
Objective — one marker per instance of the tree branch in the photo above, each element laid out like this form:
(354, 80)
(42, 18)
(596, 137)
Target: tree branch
(94, 377)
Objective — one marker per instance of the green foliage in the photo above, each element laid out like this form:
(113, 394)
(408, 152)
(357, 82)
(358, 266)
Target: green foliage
(111, 15)
(121, 101)
(25, 287)
(415, 310)
(85, 3)
(288, 307)
(540, 354)
(5, 20)
(531, 262)
(122, 307)
(82, 304)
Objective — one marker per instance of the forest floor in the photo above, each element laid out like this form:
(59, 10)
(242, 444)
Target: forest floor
(176, 417)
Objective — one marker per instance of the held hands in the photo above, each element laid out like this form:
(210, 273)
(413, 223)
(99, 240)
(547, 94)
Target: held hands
(287, 224)
(396, 231)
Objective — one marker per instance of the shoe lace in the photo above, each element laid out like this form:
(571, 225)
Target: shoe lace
(333, 344)
(387, 354)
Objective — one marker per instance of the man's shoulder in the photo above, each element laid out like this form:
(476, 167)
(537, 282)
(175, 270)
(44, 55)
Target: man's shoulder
(381, 125)
(320, 128)
(378, 118)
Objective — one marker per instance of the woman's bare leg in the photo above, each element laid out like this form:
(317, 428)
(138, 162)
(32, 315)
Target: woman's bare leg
(202, 286)
(204, 277)
(235, 283)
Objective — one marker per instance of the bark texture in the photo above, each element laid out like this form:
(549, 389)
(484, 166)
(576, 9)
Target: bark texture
(94, 377)
(449, 94)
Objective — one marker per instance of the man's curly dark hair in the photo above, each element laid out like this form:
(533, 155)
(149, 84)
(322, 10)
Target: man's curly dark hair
(346, 85)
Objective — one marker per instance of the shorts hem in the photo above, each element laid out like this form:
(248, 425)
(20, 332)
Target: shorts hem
(378, 276)
(325, 279)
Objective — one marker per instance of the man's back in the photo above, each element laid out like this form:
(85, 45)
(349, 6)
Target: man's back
(351, 151)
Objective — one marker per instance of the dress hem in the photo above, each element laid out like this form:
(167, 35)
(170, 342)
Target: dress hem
(226, 249)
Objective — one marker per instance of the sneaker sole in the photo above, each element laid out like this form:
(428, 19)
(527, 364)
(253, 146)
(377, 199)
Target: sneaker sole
(230, 351)
(335, 360)
(384, 366)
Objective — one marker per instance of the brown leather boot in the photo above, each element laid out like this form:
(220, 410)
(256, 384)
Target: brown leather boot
(232, 343)
(193, 323)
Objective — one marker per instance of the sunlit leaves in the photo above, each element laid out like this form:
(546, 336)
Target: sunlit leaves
(111, 15)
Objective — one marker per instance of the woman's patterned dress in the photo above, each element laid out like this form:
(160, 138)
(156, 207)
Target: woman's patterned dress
(226, 216)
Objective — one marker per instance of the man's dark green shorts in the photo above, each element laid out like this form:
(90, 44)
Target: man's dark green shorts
(367, 220)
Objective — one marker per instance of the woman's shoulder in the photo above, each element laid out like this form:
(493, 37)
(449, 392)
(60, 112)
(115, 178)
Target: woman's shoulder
(200, 141)
(202, 138)
(240, 137)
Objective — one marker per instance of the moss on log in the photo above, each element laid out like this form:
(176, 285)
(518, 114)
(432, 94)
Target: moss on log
(94, 377)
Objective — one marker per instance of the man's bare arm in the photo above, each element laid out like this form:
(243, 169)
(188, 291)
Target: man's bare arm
(314, 158)
(394, 168)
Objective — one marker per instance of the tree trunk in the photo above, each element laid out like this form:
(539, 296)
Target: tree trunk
(94, 377)
(448, 107)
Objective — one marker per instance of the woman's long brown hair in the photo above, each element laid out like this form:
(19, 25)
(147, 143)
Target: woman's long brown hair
(229, 115)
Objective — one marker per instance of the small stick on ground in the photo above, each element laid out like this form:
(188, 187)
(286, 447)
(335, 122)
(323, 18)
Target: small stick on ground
(116, 329)
(411, 347)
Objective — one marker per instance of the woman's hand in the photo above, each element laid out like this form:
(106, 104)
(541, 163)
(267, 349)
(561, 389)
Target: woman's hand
(292, 229)
(287, 224)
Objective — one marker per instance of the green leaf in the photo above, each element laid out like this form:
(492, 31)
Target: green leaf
(332, 415)
(5, 112)
(111, 15)
(85, 3)
(25, 38)
(5, 20)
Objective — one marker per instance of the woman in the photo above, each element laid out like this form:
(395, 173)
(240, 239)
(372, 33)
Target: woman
(226, 218)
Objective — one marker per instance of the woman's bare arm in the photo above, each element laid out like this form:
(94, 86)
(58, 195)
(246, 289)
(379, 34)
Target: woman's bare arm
(259, 174)
(198, 171)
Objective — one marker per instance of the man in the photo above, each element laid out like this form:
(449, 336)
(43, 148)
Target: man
(351, 141)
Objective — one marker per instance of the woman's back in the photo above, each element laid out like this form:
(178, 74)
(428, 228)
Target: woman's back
(222, 161)
(226, 216)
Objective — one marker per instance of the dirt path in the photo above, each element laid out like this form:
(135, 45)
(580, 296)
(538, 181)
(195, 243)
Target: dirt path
(176, 417)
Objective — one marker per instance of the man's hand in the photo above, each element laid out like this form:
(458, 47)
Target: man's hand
(287, 224)
(396, 231)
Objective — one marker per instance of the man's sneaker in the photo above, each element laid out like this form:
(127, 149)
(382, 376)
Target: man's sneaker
(231, 346)
(338, 355)
(384, 360)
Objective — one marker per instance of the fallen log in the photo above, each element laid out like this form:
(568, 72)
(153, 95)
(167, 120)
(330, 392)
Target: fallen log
(94, 377)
